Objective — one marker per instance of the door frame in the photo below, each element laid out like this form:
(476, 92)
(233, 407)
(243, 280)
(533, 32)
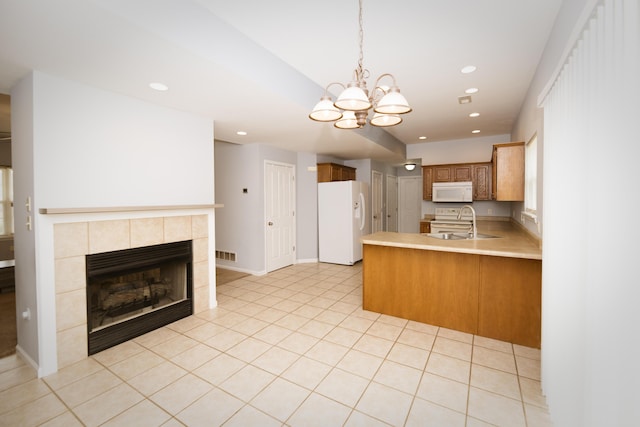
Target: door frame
(391, 179)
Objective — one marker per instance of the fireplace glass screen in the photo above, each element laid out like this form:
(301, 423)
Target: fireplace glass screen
(134, 291)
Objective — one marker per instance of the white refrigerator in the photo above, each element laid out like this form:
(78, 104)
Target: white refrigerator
(343, 217)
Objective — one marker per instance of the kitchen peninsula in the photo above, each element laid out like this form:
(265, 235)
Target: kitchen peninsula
(488, 287)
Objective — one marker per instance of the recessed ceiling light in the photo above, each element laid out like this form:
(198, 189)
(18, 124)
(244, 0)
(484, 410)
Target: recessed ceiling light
(158, 86)
(422, 137)
(468, 69)
(241, 133)
(471, 90)
(474, 114)
(475, 131)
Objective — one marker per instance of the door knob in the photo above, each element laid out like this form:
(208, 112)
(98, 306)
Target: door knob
(270, 223)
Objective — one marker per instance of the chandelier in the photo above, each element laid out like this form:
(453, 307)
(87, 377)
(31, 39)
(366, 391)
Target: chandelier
(351, 109)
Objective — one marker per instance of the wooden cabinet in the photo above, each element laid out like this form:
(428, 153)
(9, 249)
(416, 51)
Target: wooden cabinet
(425, 226)
(507, 181)
(334, 172)
(481, 181)
(427, 182)
(478, 173)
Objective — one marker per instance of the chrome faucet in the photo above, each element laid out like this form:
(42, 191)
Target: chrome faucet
(474, 232)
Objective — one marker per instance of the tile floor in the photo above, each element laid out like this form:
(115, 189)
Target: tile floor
(293, 348)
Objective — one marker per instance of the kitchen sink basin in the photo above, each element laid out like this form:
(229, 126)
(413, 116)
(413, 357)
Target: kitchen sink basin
(460, 236)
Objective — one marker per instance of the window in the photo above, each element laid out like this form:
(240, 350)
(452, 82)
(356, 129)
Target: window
(6, 201)
(531, 175)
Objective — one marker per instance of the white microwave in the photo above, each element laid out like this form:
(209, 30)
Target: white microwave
(452, 191)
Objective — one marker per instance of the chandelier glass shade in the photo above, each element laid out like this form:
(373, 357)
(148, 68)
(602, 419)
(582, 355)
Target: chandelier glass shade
(351, 108)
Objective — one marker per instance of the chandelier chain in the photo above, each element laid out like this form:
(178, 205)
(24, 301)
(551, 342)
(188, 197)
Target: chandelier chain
(361, 34)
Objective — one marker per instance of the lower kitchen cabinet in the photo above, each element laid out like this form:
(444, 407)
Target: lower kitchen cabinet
(425, 226)
(490, 296)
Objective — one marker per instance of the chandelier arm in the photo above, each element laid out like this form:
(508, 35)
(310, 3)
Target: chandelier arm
(326, 89)
(385, 75)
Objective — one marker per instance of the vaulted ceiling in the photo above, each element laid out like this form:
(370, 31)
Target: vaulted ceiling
(260, 66)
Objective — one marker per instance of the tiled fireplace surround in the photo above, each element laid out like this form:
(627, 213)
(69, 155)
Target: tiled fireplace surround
(72, 241)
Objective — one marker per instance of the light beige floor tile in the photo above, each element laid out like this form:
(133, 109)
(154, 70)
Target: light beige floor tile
(195, 357)
(66, 419)
(225, 340)
(185, 324)
(107, 405)
(458, 349)
(384, 330)
(291, 321)
(272, 334)
(22, 394)
(492, 344)
(358, 419)
(298, 343)
(174, 346)
(474, 422)
(136, 364)
(385, 403)
(88, 387)
(427, 414)
(443, 391)
(280, 399)
(345, 307)
(249, 349)
(251, 309)
(11, 362)
(276, 360)
(307, 311)
(73, 373)
(537, 417)
(118, 353)
(455, 335)
(181, 393)
(320, 302)
(144, 414)
(449, 367)
(247, 382)
(287, 305)
(373, 345)
(219, 368)
(343, 336)
(399, 377)
(495, 409)
(212, 409)
(34, 413)
(417, 339)
(392, 320)
(155, 337)
(205, 331)
(306, 372)
(494, 359)
(16, 376)
(316, 328)
(318, 411)
(495, 381)
(250, 326)
(408, 355)
(250, 416)
(528, 352)
(532, 392)
(156, 378)
(363, 364)
(528, 368)
(230, 318)
(343, 387)
(270, 315)
(331, 317)
(327, 352)
(356, 323)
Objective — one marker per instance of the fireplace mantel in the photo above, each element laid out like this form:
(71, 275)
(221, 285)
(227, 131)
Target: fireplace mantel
(59, 211)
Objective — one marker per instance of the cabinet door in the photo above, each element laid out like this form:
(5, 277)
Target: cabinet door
(425, 226)
(508, 171)
(442, 173)
(427, 182)
(462, 173)
(348, 173)
(482, 181)
(324, 172)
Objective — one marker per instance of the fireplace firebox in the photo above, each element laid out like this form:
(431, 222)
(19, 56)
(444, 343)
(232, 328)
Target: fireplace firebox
(134, 291)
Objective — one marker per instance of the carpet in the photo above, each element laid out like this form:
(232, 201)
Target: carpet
(8, 333)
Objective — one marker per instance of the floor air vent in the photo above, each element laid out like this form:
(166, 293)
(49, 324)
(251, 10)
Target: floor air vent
(226, 255)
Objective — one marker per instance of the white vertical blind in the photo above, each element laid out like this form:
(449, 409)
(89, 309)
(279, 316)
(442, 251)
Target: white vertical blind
(590, 285)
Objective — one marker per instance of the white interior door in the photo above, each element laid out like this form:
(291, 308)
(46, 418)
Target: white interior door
(280, 224)
(392, 203)
(376, 201)
(409, 203)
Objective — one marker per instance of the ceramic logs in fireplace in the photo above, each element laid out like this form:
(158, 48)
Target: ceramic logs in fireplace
(134, 291)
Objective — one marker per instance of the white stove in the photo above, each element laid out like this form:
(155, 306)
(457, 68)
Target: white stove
(446, 221)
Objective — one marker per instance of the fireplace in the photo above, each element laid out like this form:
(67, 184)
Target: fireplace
(133, 291)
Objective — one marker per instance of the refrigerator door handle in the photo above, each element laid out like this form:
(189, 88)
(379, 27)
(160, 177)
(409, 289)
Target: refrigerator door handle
(363, 216)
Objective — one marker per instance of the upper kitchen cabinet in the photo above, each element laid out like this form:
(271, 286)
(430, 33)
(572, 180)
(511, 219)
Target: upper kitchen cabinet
(452, 173)
(507, 179)
(481, 180)
(478, 173)
(334, 172)
(427, 182)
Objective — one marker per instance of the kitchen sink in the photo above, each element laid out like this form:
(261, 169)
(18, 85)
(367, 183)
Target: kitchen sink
(459, 236)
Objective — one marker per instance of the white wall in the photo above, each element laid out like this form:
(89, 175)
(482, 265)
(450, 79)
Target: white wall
(307, 208)
(78, 146)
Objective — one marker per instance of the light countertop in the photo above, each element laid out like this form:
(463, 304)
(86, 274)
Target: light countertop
(512, 241)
